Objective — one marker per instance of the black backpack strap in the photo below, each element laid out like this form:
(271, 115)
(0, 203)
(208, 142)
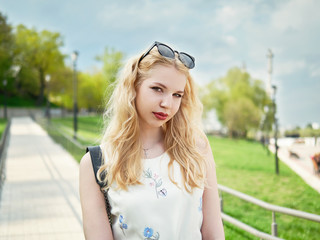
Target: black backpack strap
(96, 159)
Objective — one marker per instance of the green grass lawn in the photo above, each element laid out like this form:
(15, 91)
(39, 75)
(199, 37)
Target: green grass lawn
(89, 128)
(247, 167)
(3, 124)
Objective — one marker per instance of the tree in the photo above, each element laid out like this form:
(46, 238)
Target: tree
(61, 88)
(38, 52)
(92, 89)
(6, 49)
(112, 62)
(240, 115)
(309, 125)
(239, 101)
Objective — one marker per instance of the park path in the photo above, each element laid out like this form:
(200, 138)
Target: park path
(301, 163)
(40, 197)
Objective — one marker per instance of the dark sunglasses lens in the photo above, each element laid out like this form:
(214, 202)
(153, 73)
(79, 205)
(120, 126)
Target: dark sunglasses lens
(165, 51)
(187, 60)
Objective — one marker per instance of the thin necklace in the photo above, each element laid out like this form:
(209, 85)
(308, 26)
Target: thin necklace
(145, 150)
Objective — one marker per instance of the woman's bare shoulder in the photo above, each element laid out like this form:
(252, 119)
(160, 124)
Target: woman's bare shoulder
(86, 165)
(86, 159)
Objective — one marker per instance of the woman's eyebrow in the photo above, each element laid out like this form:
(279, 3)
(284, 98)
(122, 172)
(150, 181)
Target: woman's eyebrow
(165, 87)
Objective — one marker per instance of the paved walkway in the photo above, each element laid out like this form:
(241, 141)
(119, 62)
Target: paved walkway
(301, 163)
(40, 197)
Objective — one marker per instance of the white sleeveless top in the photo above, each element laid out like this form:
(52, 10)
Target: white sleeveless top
(158, 209)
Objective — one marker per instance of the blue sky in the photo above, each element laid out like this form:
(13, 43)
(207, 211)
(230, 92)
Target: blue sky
(219, 34)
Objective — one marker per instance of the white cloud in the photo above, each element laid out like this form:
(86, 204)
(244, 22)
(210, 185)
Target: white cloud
(137, 14)
(230, 17)
(297, 15)
(314, 70)
(230, 40)
(289, 67)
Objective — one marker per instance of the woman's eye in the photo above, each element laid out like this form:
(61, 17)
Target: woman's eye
(157, 89)
(177, 95)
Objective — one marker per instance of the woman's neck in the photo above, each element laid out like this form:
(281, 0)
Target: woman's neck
(150, 137)
(152, 142)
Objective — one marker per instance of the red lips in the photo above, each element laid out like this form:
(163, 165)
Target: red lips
(160, 115)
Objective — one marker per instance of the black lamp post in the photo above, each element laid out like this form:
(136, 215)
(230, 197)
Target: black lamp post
(48, 114)
(74, 57)
(265, 131)
(275, 128)
(5, 98)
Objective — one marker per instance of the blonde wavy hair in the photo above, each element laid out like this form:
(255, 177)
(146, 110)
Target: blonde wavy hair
(184, 139)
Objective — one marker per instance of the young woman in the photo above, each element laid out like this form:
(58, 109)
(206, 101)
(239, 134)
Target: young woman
(158, 169)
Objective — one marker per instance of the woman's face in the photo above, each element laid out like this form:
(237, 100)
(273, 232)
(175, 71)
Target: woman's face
(159, 96)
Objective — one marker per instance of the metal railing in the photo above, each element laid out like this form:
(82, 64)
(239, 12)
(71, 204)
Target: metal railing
(267, 206)
(248, 228)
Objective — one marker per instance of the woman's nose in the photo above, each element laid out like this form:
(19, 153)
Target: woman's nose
(166, 102)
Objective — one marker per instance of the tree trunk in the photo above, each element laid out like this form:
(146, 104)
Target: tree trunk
(42, 86)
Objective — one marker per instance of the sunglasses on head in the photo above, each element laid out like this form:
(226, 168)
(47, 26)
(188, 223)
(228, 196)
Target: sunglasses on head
(167, 52)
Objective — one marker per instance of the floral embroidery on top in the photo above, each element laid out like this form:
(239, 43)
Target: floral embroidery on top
(156, 183)
(122, 224)
(148, 233)
(200, 207)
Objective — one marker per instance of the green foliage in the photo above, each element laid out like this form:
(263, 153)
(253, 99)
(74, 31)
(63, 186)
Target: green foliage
(38, 54)
(309, 132)
(92, 89)
(6, 50)
(16, 101)
(112, 62)
(240, 115)
(60, 88)
(239, 101)
(303, 132)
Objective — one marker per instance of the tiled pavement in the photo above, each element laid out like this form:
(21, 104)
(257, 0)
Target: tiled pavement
(40, 197)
